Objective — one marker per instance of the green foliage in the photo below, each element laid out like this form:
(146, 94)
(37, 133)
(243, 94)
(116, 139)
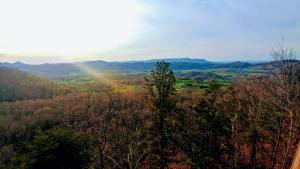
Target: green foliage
(213, 86)
(161, 86)
(162, 94)
(205, 135)
(56, 148)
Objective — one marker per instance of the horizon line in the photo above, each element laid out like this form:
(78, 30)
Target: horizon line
(141, 60)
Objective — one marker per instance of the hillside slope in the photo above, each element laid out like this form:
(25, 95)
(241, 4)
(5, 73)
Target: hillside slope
(236, 65)
(18, 85)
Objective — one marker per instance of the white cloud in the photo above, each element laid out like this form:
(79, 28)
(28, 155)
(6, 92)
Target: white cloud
(140, 29)
(64, 27)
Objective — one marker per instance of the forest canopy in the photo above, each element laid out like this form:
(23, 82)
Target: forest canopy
(156, 120)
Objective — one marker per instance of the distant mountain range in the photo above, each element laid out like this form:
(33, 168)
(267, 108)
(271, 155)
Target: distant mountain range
(184, 60)
(82, 68)
(236, 65)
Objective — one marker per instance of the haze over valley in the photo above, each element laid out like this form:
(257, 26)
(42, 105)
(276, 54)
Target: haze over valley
(106, 84)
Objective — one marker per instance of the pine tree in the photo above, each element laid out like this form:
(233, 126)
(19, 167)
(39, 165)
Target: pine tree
(162, 95)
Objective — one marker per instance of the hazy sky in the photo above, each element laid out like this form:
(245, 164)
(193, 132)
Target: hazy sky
(39, 31)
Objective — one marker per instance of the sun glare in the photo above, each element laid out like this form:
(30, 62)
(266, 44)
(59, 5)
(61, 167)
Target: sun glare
(66, 27)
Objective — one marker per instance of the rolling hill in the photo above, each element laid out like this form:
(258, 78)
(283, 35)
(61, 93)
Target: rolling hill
(18, 85)
(236, 65)
(82, 68)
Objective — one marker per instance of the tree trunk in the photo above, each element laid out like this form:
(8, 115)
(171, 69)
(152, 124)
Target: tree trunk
(253, 155)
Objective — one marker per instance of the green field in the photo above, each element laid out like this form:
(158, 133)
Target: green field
(193, 79)
(186, 80)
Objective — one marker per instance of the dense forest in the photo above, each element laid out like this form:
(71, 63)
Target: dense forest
(151, 122)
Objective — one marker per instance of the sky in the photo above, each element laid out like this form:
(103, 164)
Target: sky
(51, 31)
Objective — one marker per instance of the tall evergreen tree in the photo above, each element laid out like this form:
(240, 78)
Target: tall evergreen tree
(162, 95)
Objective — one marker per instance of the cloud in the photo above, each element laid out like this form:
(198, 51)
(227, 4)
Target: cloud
(64, 27)
(211, 29)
